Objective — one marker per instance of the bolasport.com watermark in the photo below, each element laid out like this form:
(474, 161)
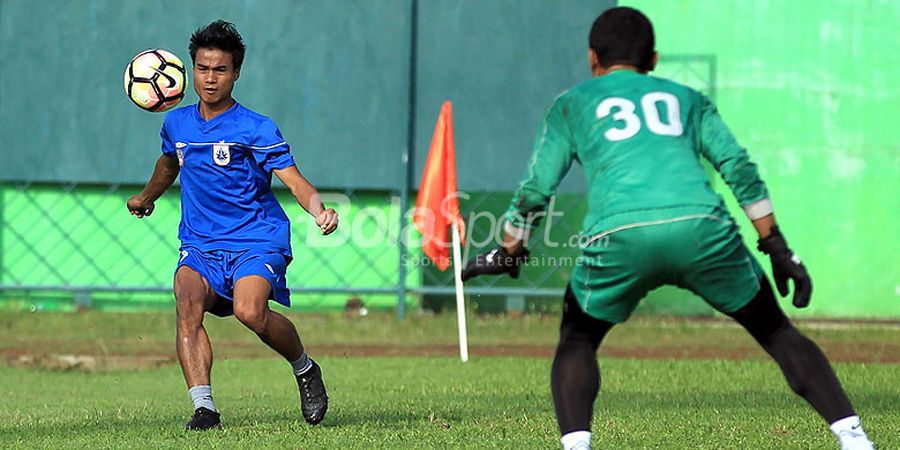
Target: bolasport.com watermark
(415, 260)
(372, 227)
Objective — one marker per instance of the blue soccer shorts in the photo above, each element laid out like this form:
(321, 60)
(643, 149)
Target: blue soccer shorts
(222, 269)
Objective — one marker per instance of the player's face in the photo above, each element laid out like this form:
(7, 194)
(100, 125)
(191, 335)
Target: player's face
(214, 75)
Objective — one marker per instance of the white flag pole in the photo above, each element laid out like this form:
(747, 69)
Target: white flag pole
(460, 298)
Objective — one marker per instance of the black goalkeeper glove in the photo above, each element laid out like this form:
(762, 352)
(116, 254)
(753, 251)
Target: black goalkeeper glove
(786, 265)
(494, 262)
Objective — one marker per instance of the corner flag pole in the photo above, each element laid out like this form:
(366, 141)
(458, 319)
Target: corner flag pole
(437, 207)
(460, 298)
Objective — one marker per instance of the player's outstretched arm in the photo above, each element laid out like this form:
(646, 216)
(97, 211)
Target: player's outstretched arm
(164, 175)
(732, 161)
(308, 198)
(739, 172)
(786, 264)
(551, 159)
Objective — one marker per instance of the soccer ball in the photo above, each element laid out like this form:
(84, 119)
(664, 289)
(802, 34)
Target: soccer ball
(155, 80)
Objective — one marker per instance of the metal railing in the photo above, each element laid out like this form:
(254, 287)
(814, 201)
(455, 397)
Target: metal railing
(80, 240)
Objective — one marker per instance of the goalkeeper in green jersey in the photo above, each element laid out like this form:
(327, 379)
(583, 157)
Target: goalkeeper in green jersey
(653, 219)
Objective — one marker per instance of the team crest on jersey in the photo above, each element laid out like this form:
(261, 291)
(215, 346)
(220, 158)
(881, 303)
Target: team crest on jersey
(221, 154)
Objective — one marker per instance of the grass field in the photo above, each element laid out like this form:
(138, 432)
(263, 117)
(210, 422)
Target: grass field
(110, 381)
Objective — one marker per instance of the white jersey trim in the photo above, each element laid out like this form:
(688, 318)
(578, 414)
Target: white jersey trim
(597, 237)
(254, 147)
(521, 234)
(760, 209)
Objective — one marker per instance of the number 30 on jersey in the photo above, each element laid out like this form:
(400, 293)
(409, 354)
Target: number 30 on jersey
(628, 123)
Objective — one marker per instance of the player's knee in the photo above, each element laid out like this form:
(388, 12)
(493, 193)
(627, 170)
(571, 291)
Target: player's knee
(578, 328)
(762, 317)
(190, 306)
(191, 295)
(253, 318)
(578, 341)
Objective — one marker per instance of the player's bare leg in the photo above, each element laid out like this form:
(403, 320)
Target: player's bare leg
(193, 297)
(805, 367)
(251, 307)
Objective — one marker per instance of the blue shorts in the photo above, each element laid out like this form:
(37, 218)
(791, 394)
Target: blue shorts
(222, 268)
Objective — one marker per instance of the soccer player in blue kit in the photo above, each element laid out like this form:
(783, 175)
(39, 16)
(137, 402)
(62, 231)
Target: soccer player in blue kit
(235, 237)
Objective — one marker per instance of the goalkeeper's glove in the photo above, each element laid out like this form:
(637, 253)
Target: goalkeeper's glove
(495, 262)
(786, 265)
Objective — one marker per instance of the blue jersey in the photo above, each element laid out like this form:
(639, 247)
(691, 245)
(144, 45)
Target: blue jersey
(226, 179)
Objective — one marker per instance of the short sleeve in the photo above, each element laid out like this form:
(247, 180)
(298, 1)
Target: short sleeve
(168, 146)
(270, 149)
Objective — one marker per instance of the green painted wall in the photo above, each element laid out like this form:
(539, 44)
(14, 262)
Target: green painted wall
(325, 71)
(55, 235)
(811, 89)
(334, 75)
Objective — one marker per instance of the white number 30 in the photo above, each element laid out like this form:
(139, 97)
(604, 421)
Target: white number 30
(632, 123)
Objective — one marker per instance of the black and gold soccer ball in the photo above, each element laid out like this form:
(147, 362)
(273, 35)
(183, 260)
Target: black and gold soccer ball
(155, 80)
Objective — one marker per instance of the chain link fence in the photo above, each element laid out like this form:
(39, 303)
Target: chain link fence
(64, 246)
(69, 246)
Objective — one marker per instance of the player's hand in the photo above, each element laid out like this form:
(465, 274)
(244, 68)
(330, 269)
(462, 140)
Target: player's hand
(786, 265)
(495, 262)
(327, 221)
(140, 206)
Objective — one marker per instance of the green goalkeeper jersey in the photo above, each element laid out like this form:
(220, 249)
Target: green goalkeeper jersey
(640, 140)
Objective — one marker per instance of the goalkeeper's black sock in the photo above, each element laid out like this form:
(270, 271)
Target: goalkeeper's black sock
(575, 377)
(804, 365)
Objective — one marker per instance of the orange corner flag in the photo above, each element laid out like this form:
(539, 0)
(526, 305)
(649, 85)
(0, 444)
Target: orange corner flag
(437, 206)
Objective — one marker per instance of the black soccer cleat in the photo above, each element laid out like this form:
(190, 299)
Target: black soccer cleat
(204, 419)
(313, 399)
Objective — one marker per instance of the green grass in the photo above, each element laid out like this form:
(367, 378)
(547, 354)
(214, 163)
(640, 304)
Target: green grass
(153, 333)
(419, 402)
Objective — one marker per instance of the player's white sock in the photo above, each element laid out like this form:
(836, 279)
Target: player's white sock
(850, 434)
(202, 397)
(576, 440)
(301, 365)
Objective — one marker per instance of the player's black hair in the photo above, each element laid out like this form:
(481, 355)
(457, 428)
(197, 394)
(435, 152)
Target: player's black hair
(221, 35)
(623, 36)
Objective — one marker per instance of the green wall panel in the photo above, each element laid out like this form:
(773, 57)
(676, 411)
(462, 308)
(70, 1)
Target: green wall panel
(810, 89)
(501, 62)
(84, 237)
(333, 75)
